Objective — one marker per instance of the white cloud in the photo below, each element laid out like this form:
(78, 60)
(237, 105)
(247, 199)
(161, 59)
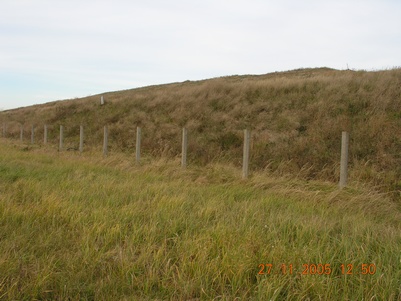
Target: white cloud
(87, 47)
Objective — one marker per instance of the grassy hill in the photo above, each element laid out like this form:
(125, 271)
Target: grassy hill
(83, 227)
(296, 118)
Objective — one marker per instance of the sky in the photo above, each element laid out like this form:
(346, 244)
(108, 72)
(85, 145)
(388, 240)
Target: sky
(62, 49)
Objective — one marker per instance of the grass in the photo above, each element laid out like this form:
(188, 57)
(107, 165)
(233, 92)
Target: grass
(296, 119)
(83, 227)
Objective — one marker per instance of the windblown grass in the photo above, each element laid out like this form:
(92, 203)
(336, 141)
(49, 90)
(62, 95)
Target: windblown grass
(87, 228)
(296, 119)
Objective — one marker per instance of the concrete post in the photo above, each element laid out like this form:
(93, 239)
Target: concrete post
(344, 160)
(61, 143)
(81, 138)
(105, 140)
(184, 148)
(138, 145)
(245, 164)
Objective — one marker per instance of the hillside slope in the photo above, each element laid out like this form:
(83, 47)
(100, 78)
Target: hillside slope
(296, 118)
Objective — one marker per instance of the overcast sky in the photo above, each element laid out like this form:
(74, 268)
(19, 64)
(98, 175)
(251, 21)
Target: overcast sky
(59, 49)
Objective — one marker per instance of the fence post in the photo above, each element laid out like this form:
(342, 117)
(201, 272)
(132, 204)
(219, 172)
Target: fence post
(138, 145)
(245, 164)
(4, 129)
(344, 160)
(61, 138)
(184, 148)
(21, 134)
(105, 140)
(81, 138)
(33, 135)
(101, 100)
(45, 134)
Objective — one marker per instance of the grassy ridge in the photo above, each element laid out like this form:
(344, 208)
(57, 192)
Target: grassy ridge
(104, 229)
(296, 119)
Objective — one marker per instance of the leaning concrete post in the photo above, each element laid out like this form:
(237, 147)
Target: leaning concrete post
(245, 164)
(105, 140)
(81, 138)
(138, 145)
(61, 138)
(184, 148)
(344, 160)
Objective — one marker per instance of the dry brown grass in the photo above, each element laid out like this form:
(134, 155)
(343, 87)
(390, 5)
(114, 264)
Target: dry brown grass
(296, 119)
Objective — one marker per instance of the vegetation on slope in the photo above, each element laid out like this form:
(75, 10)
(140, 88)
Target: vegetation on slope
(296, 119)
(86, 228)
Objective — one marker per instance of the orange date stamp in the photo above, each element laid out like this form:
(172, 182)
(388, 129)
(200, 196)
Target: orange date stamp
(318, 269)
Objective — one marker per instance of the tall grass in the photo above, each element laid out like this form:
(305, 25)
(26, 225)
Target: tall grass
(87, 228)
(296, 119)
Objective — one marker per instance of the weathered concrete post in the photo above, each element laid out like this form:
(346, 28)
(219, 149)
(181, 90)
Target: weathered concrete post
(138, 145)
(21, 134)
(184, 148)
(245, 164)
(101, 100)
(81, 138)
(61, 143)
(344, 160)
(105, 140)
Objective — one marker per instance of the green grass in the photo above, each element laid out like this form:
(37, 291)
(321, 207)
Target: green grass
(78, 227)
(295, 117)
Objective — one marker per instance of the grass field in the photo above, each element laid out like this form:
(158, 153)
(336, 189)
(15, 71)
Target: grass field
(81, 227)
(296, 119)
